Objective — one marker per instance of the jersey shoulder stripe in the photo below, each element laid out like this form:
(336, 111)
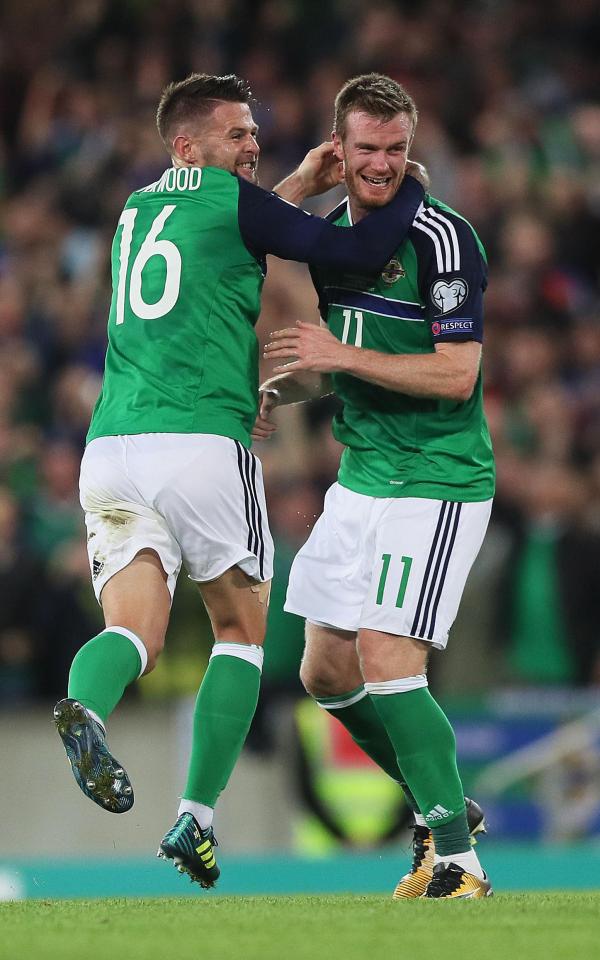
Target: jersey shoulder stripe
(451, 235)
(443, 233)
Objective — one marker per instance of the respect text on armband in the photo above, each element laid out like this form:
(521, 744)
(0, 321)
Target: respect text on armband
(440, 327)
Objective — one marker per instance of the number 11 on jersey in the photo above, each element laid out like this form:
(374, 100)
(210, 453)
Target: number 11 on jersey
(358, 317)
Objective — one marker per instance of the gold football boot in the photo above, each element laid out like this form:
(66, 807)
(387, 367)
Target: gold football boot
(451, 881)
(414, 883)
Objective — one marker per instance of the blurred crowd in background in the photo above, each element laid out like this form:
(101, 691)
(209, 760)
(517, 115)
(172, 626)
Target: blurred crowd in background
(509, 129)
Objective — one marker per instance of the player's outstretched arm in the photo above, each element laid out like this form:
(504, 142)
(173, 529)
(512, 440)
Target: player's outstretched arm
(270, 225)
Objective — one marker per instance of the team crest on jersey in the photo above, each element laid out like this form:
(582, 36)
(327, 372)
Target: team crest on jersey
(449, 296)
(392, 272)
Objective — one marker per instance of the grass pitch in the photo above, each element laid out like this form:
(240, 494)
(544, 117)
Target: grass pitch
(534, 926)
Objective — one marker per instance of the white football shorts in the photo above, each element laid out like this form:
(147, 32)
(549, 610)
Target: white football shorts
(398, 565)
(193, 498)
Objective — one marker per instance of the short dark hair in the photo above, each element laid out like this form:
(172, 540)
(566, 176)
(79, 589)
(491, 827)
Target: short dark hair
(196, 97)
(375, 94)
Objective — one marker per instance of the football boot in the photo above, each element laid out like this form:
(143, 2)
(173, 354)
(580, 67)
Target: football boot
(192, 850)
(98, 774)
(451, 881)
(414, 883)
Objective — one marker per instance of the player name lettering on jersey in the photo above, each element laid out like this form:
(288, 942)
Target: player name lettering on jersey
(177, 178)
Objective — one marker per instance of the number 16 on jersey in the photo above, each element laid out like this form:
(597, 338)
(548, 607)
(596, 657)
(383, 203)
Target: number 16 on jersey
(151, 247)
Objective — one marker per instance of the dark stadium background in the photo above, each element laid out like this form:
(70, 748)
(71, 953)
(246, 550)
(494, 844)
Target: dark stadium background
(509, 129)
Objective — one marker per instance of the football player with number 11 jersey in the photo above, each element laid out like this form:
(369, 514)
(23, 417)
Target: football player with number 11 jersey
(380, 578)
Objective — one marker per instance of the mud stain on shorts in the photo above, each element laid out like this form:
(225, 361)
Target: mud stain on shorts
(115, 527)
(117, 518)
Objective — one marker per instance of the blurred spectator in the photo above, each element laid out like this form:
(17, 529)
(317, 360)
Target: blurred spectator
(549, 604)
(68, 613)
(20, 582)
(54, 515)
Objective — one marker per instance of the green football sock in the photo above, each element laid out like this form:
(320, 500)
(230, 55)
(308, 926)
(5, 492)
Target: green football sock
(425, 747)
(103, 668)
(364, 725)
(224, 709)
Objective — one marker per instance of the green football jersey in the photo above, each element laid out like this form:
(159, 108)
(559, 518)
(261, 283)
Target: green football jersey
(188, 264)
(182, 352)
(431, 291)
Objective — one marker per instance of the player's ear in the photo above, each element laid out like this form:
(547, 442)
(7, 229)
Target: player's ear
(337, 146)
(184, 149)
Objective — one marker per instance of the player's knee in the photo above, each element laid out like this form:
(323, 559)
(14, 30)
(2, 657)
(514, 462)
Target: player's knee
(386, 657)
(369, 659)
(154, 648)
(317, 679)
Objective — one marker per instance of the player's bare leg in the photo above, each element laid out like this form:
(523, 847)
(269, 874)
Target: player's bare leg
(394, 669)
(138, 598)
(331, 674)
(136, 604)
(330, 664)
(237, 606)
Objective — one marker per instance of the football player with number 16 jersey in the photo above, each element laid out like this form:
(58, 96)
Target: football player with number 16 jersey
(167, 476)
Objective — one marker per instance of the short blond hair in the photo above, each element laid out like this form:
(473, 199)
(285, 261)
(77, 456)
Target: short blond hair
(375, 94)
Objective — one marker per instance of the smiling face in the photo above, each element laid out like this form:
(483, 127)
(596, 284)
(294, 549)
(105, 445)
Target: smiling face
(226, 138)
(374, 153)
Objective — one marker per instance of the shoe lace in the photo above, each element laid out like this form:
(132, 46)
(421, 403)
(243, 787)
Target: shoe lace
(420, 843)
(445, 879)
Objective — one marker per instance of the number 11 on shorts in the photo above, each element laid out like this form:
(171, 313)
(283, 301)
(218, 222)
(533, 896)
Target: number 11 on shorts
(406, 565)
